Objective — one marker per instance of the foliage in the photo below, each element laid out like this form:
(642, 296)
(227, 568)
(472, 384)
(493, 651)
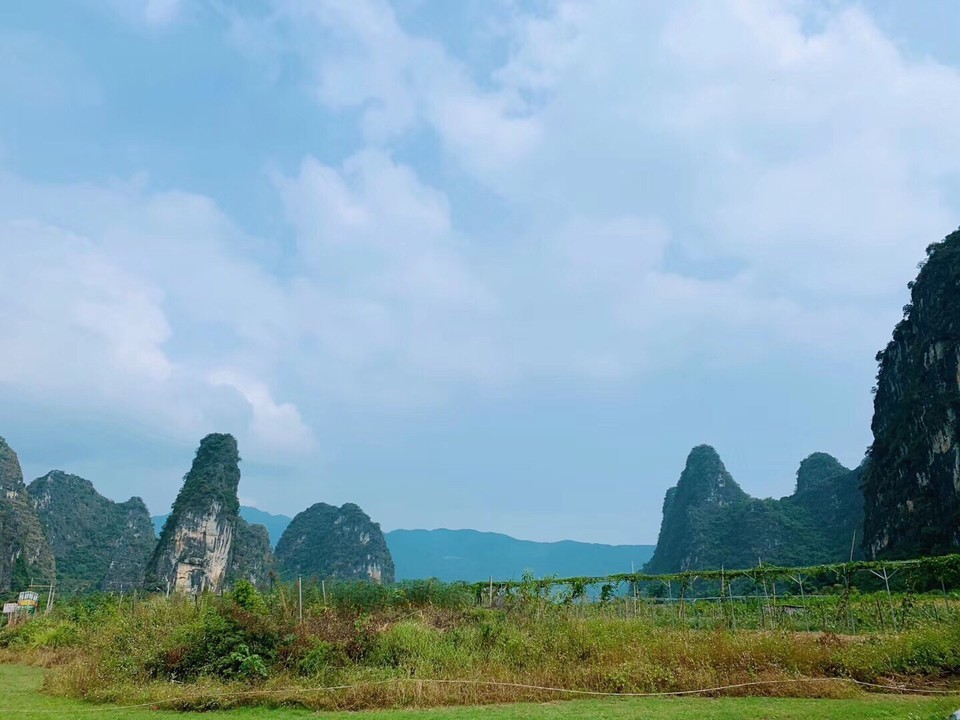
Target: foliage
(214, 477)
(97, 543)
(211, 483)
(913, 507)
(20, 577)
(386, 643)
(251, 558)
(325, 542)
(709, 522)
(244, 595)
(21, 536)
(915, 574)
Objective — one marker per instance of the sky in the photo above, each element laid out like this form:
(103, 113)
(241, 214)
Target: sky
(495, 264)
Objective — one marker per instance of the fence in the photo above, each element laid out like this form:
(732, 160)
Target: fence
(844, 597)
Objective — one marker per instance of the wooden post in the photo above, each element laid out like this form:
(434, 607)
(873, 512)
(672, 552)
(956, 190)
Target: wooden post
(491, 591)
(300, 597)
(803, 599)
(722, 590)
(853, 543)
(764, 608)
(323, 589)
(846, 599)
(886, 581)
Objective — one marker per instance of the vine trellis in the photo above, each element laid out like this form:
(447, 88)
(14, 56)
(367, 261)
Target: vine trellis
(939, 568)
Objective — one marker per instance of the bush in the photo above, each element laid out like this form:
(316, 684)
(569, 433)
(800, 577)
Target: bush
(225, 641)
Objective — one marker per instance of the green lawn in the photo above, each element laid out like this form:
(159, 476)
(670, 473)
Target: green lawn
(20, 696)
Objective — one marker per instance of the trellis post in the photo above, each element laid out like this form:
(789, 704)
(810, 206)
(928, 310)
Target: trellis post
(886, 582)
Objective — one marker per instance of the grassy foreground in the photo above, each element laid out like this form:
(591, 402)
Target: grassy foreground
(251, 649)
(22, 697)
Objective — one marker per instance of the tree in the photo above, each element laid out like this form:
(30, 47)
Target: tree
(20, 579)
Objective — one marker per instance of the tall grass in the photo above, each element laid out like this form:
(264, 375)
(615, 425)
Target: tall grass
(430, 644)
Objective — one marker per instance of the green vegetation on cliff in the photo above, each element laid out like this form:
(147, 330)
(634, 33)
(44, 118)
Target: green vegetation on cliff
(98, 544)
(710, 522)
(194, 549)
(213, 478)
(251, 556)
(25, 554)
(912, 484)
(325, 541)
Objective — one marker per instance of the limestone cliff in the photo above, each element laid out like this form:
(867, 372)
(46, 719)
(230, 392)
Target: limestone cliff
(710, 522)
(325, 541)
(98, 544)
(194, 550)
(912, 484)
(25, 554)
(252, 557)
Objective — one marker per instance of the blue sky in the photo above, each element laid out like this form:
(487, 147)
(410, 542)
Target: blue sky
(495, 264)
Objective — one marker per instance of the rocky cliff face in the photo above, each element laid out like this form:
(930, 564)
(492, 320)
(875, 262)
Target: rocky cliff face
(912, 484)
(325, 541)
(98, 544)
(710, 522)
(194, 550)
(25, 554)
(252, 557)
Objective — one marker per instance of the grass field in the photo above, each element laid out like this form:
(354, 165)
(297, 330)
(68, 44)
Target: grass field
(21, 696)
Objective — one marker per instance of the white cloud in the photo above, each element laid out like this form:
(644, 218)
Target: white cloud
(362, 58)
(387, 285)
(73, 319)
(119, 300)
(634, 148)
(274, 425)
(793, 141)
(716, 132)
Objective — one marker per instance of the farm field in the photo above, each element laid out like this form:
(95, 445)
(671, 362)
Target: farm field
(22, 696)
(428, 647)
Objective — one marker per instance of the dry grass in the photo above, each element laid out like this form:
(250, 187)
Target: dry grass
(216, 654)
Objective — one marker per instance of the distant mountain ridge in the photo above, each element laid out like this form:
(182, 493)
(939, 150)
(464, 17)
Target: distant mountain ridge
(474, 556)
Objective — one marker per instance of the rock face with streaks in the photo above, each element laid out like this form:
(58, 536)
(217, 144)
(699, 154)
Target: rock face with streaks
(98, 544)
(194, 551)
(25, 554)
(912, 483)
(325, 541)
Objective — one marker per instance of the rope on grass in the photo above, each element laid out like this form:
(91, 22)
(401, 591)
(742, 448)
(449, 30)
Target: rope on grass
(887, 689)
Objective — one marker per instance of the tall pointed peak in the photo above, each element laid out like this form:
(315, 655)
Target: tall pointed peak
(194, 550)
(706, 479)
(11, 476)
